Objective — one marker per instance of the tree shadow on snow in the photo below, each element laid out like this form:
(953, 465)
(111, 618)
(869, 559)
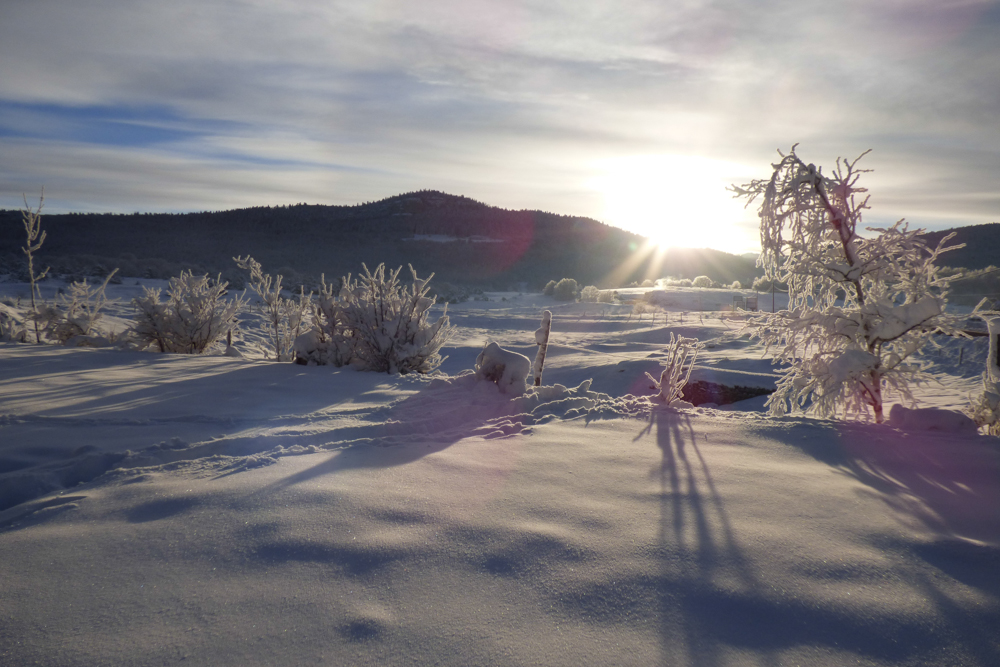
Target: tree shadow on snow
(697, 545)
(948, 485)
(714, 601)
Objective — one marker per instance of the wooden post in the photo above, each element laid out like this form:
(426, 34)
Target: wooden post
(542, 339)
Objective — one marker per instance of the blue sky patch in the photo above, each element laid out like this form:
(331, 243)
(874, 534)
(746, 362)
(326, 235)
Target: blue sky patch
(135, 127)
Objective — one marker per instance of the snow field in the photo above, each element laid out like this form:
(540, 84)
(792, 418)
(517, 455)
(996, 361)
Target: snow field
(229, 511)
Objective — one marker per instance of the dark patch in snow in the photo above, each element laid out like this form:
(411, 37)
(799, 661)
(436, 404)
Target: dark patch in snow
(355, 559)
(700, 392)
(362, 630)
(975, 565)
(156, 510)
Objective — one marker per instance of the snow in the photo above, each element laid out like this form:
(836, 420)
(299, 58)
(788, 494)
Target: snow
(506, 369)
(213, 510)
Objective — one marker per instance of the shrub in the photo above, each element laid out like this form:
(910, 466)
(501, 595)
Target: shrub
(678, 363)
(81, 309)
(565, 290)
(606, 296)
(550, 288)
(12, 326)
(701, 281)
(285, 316)
(505, 368)
(194, 316)
(390, 322)
(589, 293)
(736, 285)
(330, 341)
(985, 408)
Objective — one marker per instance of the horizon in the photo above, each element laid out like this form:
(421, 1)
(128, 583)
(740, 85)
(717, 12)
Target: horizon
(636, 120)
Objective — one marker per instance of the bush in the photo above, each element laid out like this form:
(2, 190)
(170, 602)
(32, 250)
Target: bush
(590, 293)
(194, 316)
(390, 323)
(550, 288)
(285, 316)
(81, 309)
(736, 285)
(678, 363)
(701, 281)
(12, 327)
(565, 290)
(606, 296)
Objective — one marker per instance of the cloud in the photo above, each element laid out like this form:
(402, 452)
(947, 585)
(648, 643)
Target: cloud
(512, 103)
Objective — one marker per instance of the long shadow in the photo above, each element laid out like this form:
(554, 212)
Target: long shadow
(698, 546)
(949, 484)
(713, 600)
(425, 423)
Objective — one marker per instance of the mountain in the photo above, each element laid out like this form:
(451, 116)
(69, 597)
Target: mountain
(982, 246)
(459, 239)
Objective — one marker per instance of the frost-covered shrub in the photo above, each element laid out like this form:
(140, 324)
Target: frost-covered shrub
(590, 293)
(194, 316)
(565, 290)
(390, 322)
(858, 308)
(330, 341)
(658, 297)
(678, 363)
(12, 326)
(736, 285)
(701, 281)
(606, 296)
(550, 288)
(985, 408)
(79, 310)
(507, 369)
(648, 283)
(285, 317)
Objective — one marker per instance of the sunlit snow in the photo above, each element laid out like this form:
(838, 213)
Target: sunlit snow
(232, 511)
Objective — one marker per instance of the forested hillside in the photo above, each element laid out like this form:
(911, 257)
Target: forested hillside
(459, 239)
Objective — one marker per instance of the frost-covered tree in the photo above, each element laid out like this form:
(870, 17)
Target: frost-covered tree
(32, 219)
(701, 281)
(195, 314)
(285, 316)
(390, 324)
(858, 308)
(550, 288)
(565, 290)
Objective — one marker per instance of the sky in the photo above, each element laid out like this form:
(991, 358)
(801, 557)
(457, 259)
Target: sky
(637, 113)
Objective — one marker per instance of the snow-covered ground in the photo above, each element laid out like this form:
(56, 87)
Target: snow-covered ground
(162, 509)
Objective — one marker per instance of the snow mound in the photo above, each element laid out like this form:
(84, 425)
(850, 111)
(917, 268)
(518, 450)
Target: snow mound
(931, 419)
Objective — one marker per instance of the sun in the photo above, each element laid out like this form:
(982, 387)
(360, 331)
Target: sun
(675, 200)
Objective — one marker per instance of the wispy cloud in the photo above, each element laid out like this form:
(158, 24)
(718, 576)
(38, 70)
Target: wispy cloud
(186, 105)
